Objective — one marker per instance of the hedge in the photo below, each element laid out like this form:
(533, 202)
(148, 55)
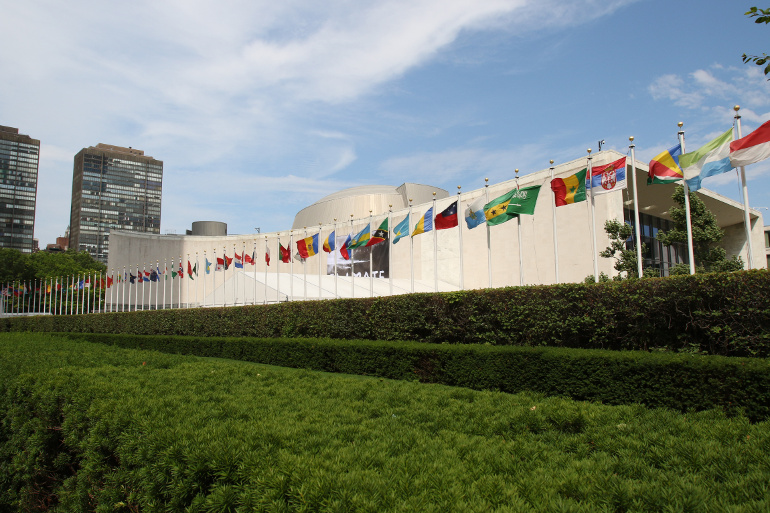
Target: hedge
(679, 381)
(721, 313)
(86, 427)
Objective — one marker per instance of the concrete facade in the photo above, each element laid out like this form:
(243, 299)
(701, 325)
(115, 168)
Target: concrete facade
(399, 272)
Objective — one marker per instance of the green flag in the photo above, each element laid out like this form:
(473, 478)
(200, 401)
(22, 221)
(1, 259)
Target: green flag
(496, 211)
(523, 201)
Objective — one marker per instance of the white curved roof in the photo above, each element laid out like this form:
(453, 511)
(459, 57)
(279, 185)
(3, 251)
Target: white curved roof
(363, 200)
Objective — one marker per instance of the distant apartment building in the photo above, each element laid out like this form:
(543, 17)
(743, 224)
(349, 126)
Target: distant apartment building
(113, 188)
(19, 164)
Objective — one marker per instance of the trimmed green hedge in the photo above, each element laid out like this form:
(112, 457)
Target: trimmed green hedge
(721, 313)
(90, 428)
(678, 381)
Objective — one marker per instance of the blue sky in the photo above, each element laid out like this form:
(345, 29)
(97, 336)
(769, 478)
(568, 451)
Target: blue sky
(259, 108)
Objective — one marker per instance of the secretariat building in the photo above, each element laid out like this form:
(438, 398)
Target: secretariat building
(19, 163)
(113, 188)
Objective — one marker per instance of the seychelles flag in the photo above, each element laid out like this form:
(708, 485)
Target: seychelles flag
(664, 168)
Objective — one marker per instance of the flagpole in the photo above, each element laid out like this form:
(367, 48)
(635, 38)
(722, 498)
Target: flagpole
(590, 181)
(304, 271)
(435, 245)
(489, 237)
(171, 287)
(745, 189)
(235, 277)
(224, 276)
(336, 248)
(460, 234)
(371, 273)
(555, 238)
(352, 264)
(291, 265)
(411, 246)
(243, 270)
(187, 295)
(521, 249)
(278, 274)
(319, 253)
(690, 250)
(637, 227)
(123, 292)
(390, 248)
(267, 252)
(144, 270)
(254, 267)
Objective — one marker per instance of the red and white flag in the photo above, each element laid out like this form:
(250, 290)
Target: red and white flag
(751, 149)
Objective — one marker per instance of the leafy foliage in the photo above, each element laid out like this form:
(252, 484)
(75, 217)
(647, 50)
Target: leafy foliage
(18, 266)
(86, 427)
(706, 235)
(682, 381)
(625, 259)
(762, 16)
(714, 313)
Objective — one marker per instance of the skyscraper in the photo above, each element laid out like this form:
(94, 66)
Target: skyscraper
(19, 163)
(113, 188)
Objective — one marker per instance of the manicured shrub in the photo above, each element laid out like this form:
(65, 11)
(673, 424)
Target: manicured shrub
(679, 381)
(720, 313)
(87, 427)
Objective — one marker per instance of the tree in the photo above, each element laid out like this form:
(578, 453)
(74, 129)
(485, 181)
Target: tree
(625, 258)
(706, 236)
(18, 266)
(762, 16)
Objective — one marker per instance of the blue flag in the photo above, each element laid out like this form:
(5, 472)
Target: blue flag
(401, 229)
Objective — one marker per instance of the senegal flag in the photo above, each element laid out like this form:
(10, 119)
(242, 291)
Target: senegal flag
(496, 211)
(571, 189)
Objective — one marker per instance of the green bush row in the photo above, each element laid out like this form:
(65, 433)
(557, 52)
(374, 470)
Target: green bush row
(86, 427)
(726, 314)
(679, 381)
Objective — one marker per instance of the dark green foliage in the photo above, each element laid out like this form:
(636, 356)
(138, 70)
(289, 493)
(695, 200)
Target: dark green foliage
(18, 266)
(625, 258)
(678, 381)
(762, 16)
(725, 314)
(86, 427)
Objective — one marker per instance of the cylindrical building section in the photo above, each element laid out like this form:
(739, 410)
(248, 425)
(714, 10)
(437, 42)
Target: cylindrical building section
(209, 228)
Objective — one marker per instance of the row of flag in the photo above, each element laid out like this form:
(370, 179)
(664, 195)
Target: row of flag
(718, 156)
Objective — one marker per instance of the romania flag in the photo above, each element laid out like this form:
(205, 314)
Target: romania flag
(329, 243)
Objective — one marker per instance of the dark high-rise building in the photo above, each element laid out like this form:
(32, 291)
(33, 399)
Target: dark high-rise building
(19, 164)
(113, 188)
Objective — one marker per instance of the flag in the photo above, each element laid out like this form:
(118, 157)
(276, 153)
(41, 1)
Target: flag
(380, 234)
(361, 239)
(190, 270)
(496, 211)
(228, 261)
(267, 256)
(425, 224)
(131, 278)
(299, 258)
(88, 283)
(238, 261)
(308, 246)
(208, 265)
(344, 249)
(81, 284)
(607, 178)
(664, 168)
(751, 149)
(474, 213)
(401, 229)
(153, 276)
(329, 242)
(181, 270)
(284, 254)
(248, 259)
(447, 218)
(220, 264)
(571, 189)
(709, 160)
(109, 283)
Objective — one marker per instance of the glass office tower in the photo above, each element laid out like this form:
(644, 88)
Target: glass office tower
(113, 188)
(19, 164)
